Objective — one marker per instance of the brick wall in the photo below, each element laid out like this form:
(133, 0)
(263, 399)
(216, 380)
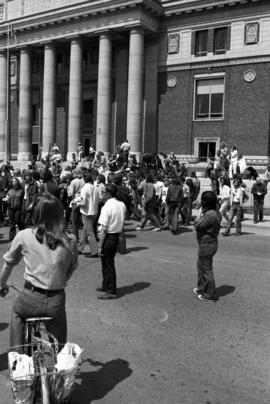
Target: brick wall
(246, 111)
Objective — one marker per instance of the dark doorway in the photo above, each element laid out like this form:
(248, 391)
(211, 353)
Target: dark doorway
(205, 149)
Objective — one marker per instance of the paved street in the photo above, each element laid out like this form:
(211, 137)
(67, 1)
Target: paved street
(158, 344)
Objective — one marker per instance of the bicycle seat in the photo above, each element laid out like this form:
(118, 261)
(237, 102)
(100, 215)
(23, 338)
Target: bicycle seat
(38, 319)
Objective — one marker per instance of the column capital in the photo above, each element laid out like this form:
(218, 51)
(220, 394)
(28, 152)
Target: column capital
(48, 44)
(137, 31)
(74, 38)
(105, 34)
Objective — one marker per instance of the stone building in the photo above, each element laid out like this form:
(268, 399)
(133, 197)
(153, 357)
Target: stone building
(168, 75)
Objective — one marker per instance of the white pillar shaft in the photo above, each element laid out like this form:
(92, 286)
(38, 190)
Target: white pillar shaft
(49, 98)
(3, 104)
(104, 94)
(25, 106)
(75, 96)
(135, 91)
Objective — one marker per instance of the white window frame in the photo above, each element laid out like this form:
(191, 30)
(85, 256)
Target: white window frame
(207, 77)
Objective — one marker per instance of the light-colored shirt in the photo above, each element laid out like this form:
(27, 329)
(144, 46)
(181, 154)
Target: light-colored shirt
(224, 193)
(112, 215)
(90, 199)
(76, 186)
(44, 268)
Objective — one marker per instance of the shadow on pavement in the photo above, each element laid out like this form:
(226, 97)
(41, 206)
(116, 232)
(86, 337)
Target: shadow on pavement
(94, 385)
(3, 361)
(224, 290)
(132, 249)
(3, 326)
(136, 287)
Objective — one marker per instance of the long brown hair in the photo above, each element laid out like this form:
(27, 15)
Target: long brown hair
(49, 221)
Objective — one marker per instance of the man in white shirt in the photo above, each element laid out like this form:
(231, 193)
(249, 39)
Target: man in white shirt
(224, 198)
(89, 209)
(111, 221)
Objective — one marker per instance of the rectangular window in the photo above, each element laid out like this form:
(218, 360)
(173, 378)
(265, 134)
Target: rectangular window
(220, 40)
(201, 38)
(209, 98)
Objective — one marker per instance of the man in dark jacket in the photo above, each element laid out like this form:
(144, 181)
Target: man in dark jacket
(207, 226)
(174, 201)
(259, 191)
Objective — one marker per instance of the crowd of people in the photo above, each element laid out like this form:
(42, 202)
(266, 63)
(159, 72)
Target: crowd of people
(50, 200)
(157, 189)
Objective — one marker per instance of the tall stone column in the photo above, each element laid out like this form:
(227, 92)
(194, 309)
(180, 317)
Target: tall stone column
(49, 98)
(135, 91)
(104, 94)
(75, 96)
(25, 106)
(3, 104)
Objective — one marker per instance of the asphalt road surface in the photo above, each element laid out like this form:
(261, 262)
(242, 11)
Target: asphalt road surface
(157, 343)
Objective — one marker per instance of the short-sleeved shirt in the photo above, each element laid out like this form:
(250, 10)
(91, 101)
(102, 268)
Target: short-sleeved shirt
(112, 215)
(90, 194)
(44, 268)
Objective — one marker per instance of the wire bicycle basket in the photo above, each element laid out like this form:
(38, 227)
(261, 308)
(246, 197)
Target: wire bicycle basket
(57, 372)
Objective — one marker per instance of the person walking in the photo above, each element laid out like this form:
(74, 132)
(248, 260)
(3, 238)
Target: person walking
(224, 197)
(236, 203)
(258, 191)
(75, 192)
(50, 257)
(89, 209)
(148, 204)
(174, 200)
(207, 227)
(111, 223)
(14, 200)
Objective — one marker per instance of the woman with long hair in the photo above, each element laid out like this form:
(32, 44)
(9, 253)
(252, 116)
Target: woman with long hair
(50, 257)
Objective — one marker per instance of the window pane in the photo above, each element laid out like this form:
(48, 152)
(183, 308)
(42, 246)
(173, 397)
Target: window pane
(216, 105)
(202, 110)
(201, 43)
(220, 42)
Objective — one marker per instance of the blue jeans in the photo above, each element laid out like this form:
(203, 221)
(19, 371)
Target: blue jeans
(31, 304)
(235, 209)
(206, 280)
(88, 233)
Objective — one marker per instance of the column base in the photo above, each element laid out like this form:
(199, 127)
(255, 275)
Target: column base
(24, 156)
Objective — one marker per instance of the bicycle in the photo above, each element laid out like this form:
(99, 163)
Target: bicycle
(42, 384)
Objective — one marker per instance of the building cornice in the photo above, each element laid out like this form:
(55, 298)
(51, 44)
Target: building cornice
(77, 12)
(179, 7)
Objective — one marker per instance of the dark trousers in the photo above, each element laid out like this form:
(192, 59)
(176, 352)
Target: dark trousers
(206, 280)
(107, 262)
(31, 304)
(15, 216)
(258, 210)
(75, 220)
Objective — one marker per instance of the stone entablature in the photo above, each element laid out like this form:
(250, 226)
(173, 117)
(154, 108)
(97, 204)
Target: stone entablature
(87, 19)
